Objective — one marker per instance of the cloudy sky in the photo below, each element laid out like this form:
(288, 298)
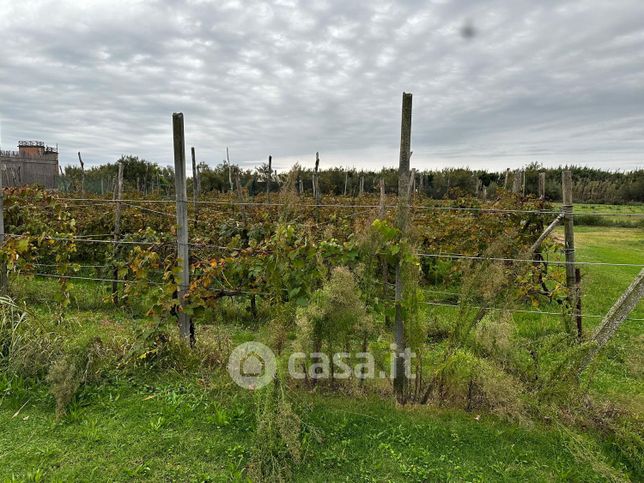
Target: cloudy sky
(496, 83)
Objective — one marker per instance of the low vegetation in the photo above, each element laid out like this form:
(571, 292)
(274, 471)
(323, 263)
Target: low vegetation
(496, 394)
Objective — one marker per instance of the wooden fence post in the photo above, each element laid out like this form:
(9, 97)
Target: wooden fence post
(195, 185)
(542, 185)
(230, 174)
(382, 198)
(82, 165)
(318, 195)
(615, 317)
(578, 318)
(4, 279)
(516, 181)
(269, 176)
(118, 195)
(569, 243)
(186, 328)
(402, 220)
(507, 176)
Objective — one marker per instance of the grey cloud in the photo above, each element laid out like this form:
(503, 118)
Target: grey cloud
(551, 81)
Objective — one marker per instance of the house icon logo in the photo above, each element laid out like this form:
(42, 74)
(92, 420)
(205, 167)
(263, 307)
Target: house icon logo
(252, 365)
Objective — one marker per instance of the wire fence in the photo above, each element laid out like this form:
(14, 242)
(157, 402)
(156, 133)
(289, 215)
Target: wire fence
(265, 204)
(144, 206)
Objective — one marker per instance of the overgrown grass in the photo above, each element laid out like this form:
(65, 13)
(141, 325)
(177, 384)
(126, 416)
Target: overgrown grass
(182, 419)
(201, 428)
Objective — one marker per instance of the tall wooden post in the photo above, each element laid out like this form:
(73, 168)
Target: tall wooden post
(269, 176)
(542, 185)
(346, 182)
(318, 195)
(4, 279)
(82, 165)
(118, 195)
(195, 185)
(240, 195)
(569, 243)
(507, 175)
(516, 181)
(382, 198)
(402, 220)
(230, 173)
(186, 329)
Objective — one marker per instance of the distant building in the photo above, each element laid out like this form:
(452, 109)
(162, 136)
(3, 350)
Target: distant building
(33, 164)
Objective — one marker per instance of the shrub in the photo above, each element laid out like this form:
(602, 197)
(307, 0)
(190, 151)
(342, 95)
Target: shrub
(27, 348)
(277, 437)
(470, 382)
(336, 316)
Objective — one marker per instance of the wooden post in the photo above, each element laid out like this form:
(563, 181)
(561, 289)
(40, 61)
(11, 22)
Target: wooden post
(118, 194)
(578, 317)
(507, 175)
(268, 179)
(516, 181)
(523, 182)
(80, 160)
(382, 198)
(537, 244)
(318, 195)
(361, 192)
(569, 244)
(615, 317)
(4, 279)
(346, 182)
(542, 185)
(195, 185)
(230, 174)
(186, 329)
(402, 220)
(240, 195)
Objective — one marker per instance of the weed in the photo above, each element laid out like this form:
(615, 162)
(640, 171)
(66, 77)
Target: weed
(277, 439)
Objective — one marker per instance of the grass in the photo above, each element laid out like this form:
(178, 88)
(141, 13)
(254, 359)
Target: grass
(198, 426)
(626, 216)
(201, 429)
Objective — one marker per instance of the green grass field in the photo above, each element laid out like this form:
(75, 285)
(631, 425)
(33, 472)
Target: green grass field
(627, 216)
(197, 425)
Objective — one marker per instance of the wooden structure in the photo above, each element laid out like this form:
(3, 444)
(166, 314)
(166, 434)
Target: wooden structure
(33, 164)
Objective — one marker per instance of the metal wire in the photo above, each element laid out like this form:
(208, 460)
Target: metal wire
(321, 205)
(523, 311)
(527, 260)
(75, 277)
(89, 240)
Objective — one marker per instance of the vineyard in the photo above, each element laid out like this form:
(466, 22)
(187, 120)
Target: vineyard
(286, 330)
(486, 311)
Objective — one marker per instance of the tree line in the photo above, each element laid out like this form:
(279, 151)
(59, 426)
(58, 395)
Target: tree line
(590, 185)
